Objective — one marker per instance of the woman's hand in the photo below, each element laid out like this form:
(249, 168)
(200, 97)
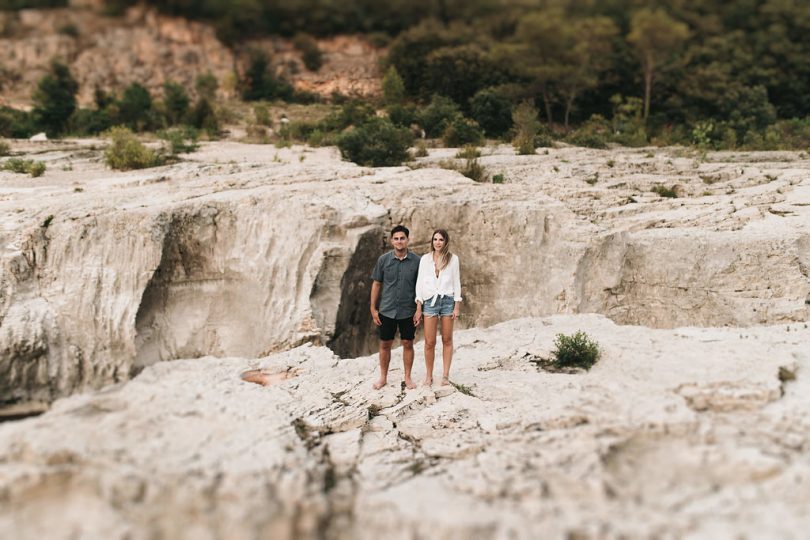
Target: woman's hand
(417, 317)
(455, 312)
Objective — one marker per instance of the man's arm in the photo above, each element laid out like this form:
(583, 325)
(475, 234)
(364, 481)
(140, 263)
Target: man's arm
(375, 299)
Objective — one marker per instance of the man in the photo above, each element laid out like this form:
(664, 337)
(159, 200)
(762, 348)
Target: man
(395, 276)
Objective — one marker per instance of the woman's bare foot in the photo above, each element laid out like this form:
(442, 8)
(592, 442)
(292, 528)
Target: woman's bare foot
(409, 384)
(428, 381)
(445, 380)
(379, 384)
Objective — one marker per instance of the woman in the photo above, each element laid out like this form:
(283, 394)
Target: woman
(438, 297)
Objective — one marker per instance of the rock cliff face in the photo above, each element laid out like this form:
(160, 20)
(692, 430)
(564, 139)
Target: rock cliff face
(698, 433)
(111, 53)
(245, 250)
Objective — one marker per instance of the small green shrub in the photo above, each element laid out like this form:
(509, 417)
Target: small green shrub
(206, 86)
(310, 53)
(126, 152)
(497, 179)
(663, 191)
(175, 102)
(468, 152)
(24, 166)
(5, 148)
(89, 122)
(377, 142)
(435, 117)
(402, 115)
(421, 150)
(182, 140)
(493, 111)
(135, 107)
(474, 170)
(527, 127)
(16, 124)
(577, 351)
(462, 131)
(595, 133)
(36, 168)
(393, 88)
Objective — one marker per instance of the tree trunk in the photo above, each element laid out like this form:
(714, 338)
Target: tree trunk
(648, 77)
(569, 104)
(547, 103)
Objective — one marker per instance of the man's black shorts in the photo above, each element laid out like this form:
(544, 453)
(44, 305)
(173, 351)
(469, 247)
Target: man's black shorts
(389, 327)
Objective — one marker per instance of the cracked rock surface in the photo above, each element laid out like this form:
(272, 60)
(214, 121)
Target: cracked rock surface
(681, 433)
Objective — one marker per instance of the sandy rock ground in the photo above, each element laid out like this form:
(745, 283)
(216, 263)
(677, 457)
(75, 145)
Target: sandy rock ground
(161, 287)
(683, 433)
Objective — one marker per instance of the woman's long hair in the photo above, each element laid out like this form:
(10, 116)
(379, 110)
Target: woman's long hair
(444, 254)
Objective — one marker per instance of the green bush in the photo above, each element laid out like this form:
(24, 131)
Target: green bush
(663, 191)
(377, 143)
(474, 170)
(492, 111)
(55, 99)
(402, 115)
(135, 107)
(461, 131)
(5, 148)
(470, 151)
(182, 140)
(577, 351)
(89, 122)
(595, 133)
(175, 102)
(526, 127)
(203, 117)
(206, 86)
(497, 179)
(24, 166)
(16, 124)
(126, 152)
(393, 88)
(261, 82)
(435, 117)
(352, 113)
(311, 54)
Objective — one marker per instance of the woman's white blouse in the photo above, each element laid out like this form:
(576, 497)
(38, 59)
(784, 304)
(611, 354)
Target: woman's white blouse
(447, 284)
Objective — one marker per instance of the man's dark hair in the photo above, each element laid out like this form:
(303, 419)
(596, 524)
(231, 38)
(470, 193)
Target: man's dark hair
(400, 228)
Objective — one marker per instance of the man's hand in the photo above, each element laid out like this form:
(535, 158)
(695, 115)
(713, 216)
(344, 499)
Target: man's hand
(375, 316)
(417, 317)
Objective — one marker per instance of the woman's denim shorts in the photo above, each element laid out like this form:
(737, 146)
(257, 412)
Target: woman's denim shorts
(442, 308)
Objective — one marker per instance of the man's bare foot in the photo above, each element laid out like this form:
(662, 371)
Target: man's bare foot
(409, 384)
(445, 380)
(379, 384)
(428, 381)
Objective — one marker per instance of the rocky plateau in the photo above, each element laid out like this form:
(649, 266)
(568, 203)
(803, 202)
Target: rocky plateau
(140, 308)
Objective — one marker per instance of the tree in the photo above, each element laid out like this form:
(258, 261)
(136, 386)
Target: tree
(55, 99)
(176, 102)
(206, 86)
(261, 81)
(393, 88)
(493, 111)
(135, 107)
(655, 36)
(586, 55)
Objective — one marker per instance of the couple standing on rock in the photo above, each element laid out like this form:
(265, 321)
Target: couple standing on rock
(405, 290)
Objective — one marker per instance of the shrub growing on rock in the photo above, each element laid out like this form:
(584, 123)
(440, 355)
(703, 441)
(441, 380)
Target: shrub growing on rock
(435, 117)
(461, 131)
(525, 118)
(182, 140)
(5, 148)
(126, 152)
(24, 166)
(377, 143)
(492, 111)
(575, 351)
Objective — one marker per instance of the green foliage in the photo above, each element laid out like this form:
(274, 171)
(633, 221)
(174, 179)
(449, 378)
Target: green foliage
(468, 152)
(474, 170)
(175, 102)
(69, 29)
(498, 179)
(492, 110)
(458, 72)
(126, 152)
(421, 150)
(5, 149)
(575, 351)
(393, 88)
(16, 124)
(206, 86)
(203, 117)
(595, 133)
(24, 166)
(435, 117)
(628, 124)
(261, 82)
(402, 115)
(527, 127)
(462, 131)
(663, 191)
(182, 140)
(89, 122)
(55, 99)
(135, 107)
(352, 113)
(311, 54)
(377, 143)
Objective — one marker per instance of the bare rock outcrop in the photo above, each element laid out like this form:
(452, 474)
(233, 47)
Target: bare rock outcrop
(112, 52)
(691, 432)
(244, 250)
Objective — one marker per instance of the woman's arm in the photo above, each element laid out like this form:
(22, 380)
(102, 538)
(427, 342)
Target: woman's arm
(420, 289)
(456, 281)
